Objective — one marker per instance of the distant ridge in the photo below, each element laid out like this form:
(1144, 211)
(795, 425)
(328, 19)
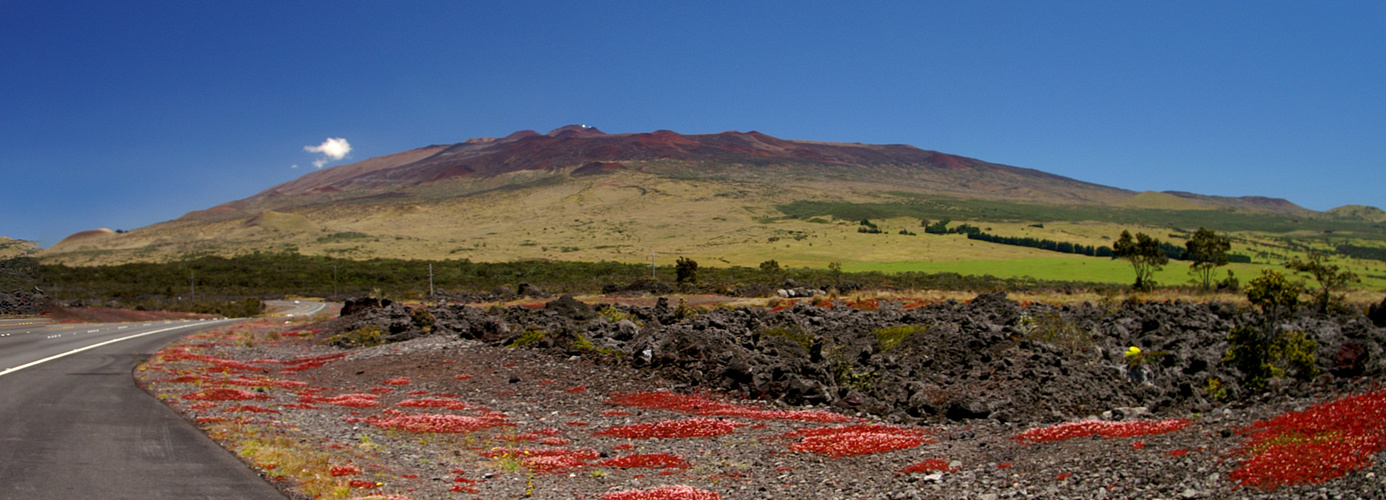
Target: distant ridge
(580, 193)
(573, 147)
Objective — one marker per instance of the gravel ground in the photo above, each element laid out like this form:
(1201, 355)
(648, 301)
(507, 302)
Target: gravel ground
(543, 402)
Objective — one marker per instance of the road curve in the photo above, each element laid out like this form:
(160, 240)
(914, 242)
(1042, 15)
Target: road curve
(300, 308)
(77, 426)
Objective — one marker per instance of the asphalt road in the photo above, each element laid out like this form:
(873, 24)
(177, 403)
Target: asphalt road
(291, 308)
(77, 427)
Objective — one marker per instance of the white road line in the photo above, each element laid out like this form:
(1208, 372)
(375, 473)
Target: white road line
(93, 346)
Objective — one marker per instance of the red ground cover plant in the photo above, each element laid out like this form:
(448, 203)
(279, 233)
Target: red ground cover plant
(450, 424)
(545, 460)
(1322, 442)
(264, 382)
(531, 435)
(224, 395)
(676, 492)
(927, 466)
(784, 304)
(670, 429)
(645, 461)
(344, 470)
(450, 404)
(187, 379)
(397, 381)
(364, 484)
(853, 440)
(700, 405)
(300, 364)
(916, 303)
(353, 400)
(250, 408)
(225, 364)
(864, 304)
(1086, 428)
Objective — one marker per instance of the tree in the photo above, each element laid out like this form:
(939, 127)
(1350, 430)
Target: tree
(1145, 256)
(1208, 251)
(1331, 277)
(770, 266)
(1261, 353)
(686, 270)
(1272, 292)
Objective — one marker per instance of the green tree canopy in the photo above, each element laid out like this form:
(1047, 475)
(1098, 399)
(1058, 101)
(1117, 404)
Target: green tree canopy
(1331, 277)
(686, 270)
(1144, 254)
(1207, 251)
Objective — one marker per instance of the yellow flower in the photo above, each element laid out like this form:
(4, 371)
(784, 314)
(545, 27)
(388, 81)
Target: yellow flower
(1133, 352)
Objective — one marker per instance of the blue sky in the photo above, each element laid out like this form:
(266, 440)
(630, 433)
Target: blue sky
(125, 114)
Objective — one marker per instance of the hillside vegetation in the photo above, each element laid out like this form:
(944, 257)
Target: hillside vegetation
(725, 200)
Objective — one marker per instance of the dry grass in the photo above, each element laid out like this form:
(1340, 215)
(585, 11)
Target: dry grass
(283, 455)
(626, 216)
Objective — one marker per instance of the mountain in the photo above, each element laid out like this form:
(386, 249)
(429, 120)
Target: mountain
(1358, 212)
(577, 193)
(580, 151)
(10, 247)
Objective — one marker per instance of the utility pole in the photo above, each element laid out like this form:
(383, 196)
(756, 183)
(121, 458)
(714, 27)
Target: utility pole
(334, 281)
(653, 276)
(192, 283)
(430, 280)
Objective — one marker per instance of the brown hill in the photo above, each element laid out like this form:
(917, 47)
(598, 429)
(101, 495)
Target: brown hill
(731, 155)
(577, 193)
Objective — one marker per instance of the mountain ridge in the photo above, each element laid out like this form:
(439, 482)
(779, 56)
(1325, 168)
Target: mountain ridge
(577, 192)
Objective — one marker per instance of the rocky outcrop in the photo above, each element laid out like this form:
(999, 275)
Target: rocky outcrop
(31, 302)
(985, 358)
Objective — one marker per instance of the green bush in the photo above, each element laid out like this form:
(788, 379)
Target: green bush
(1272, 291)
(366, 336)
(530, 336)
(1053, 330)
(889, 337)
(422, 318)
(794, 333)
(1260, 356)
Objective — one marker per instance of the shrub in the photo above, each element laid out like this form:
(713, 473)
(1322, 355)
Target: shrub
(366, 336)
(846, 375)
(422, 318)
(1272, 291)
(1260, 355)
(1052, 329)
(530, 336)
(686, 270)
(889, 337)
(1331, 277)
(794, 333)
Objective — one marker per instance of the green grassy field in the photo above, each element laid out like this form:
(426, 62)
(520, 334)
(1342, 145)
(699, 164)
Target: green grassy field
(1075, 268)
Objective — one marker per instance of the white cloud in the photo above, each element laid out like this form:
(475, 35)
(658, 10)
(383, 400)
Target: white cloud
(332, 149)
(293, 166)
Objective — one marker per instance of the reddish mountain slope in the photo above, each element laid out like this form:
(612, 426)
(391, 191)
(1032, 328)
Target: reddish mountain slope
(582, 150)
